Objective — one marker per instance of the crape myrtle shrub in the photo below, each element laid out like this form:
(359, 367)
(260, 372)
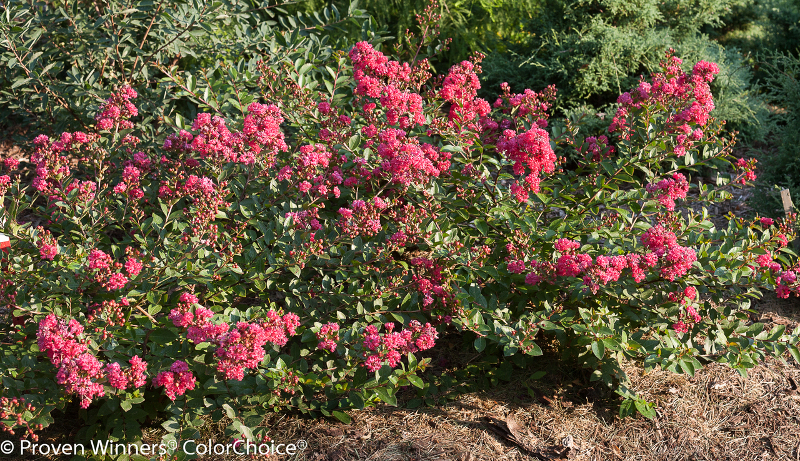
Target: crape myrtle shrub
(593, 50)
(306, 255)
(59, 58)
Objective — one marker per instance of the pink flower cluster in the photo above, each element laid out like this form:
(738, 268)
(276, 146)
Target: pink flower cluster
(429, 280)
(386, 81)
(134, 376)
(747, 168)
(177, 380)
(318, 172)
(244, 347)
(362, 218)
(689, 96)
(598, 147)
(667, 191)
(516, 266)
(86, 190)
(129, 185)
(787, 283)
(238, 348)
(133, 266)
(5, 181)
(102, 268)
(372, 67)
(328, 335)
(566, 245)
(406, 161)
(52, 167)
(528, 104)
(692, 316)
(676, 260)
(78, 370)
(460, 88)
(765, 261)
(207, 199)
(389, 347)
(48, 247)
(260, 139)
(662, 245)
(117, 110)
(262, 131)
(336, 127)
(572, 265)
(532, 155)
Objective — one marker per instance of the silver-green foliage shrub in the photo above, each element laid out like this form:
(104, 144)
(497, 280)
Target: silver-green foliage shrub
(60, 58)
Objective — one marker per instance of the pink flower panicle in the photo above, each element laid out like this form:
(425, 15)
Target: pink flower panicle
(48, 247)
(460, 88)
(117, 110)
(78, 370)
(406, 161)
(689, 95)
(598, 148)
(667, 191)
(389, 347)
(135, 376)
(532, 155)
(747, 169)
(176, 381)
(328, 335)
(566, 245)
(240, 348)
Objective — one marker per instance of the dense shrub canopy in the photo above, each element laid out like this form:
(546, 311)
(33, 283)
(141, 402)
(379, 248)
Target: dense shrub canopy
(301, 229)
(306, 255)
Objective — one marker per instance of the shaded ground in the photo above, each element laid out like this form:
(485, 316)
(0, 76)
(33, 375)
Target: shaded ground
(715, 415)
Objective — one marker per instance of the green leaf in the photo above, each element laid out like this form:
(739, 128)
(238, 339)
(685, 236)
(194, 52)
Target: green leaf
(538, 375)
(386, 396)
(626, 408)
(340, 415)
(354, 141)
(646, 409)
(599, 349)
(482, 226)
(795, 353)
(416, 381)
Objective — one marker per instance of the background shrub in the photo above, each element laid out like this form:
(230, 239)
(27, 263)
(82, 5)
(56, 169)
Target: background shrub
(61, 58)
(781, 161)
(593, 50)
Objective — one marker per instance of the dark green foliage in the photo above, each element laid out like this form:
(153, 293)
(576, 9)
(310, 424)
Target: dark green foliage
(781, 169)
(61, 59)
(478, 25)
(760, 25)
(594, 50)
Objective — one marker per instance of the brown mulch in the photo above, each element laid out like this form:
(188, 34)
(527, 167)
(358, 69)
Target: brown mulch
(715, 415)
